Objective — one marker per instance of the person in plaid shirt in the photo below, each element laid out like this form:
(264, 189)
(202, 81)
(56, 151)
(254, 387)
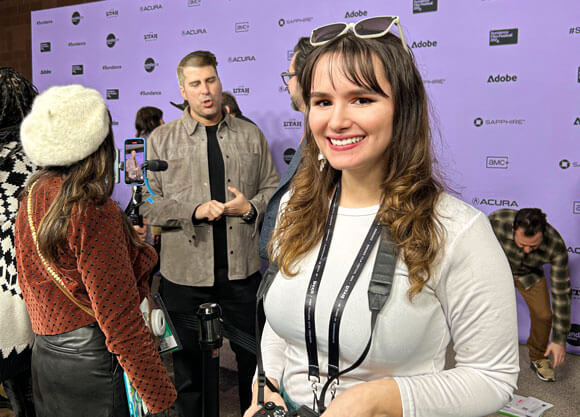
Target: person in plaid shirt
(529, 242)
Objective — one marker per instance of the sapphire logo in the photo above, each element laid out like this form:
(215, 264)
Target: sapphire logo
(111, 40)
(151, 7)
(357, 13)
(112, 94)
(478, 122)
(476, 201)
(150, 37)
(289, 154)
(422, 6)
(192, 32)
(507, 78)
(44, 46)
(503, 37)
(241, 58)
(576, 207)
(576, 122)
(565, 164)
(193, 3)
(424, 44)
(150, 65)
(241, 91)
(242, 26)
(440, 81)
(112, 13)
(281, 22)
(500, 162)
(45, 72)
(76, 18)
(292, 124)
(77, 70)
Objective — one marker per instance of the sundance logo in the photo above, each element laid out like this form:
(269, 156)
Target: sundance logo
(503, 37)
(149, 93)
(500, 162)
(76, 18)
(44, 46)
(507, 78)
(292, 124)
(574, 30)
(44, 22)
(77, 70)
(241, 58)
(357, 13)
(150, 65)
(242, 26)
(574, 335)
(193, 3)
(73, 44)
(45, 72)
(241, 91)
(422, 6)
(111, 40)
(112, 94)
(112, 67)
(424, 44)
(193, 32)
(112, 13)
(151, 7)
(478, 122)
(476, 201)
(150, 37)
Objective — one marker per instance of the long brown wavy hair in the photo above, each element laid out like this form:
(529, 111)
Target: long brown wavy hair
(410, 188)
(89, 181)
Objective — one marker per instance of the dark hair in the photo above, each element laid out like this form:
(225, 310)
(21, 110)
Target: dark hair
(301, 50)
(196, 59)
(16, 97)
(147, 119)
(532, 220)
(229, 100)
(410, 187)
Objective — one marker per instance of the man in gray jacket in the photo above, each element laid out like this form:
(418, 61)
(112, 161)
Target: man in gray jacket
(209, 203)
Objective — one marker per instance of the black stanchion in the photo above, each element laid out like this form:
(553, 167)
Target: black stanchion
(210, 341)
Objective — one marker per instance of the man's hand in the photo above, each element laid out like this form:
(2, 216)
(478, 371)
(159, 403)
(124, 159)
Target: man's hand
(210, 211)
(141, 230)
(558, 352)
(238, 206)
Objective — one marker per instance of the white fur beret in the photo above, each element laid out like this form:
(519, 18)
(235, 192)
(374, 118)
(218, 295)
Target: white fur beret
(65, 125)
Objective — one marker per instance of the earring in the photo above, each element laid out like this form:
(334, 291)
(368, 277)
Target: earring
(321, 161)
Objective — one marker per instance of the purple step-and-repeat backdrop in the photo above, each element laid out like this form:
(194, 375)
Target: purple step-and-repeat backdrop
(503, 77)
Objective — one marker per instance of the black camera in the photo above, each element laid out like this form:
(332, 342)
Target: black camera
(271, 409)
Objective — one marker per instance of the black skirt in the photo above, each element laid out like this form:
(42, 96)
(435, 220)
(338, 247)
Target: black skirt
(74, 375)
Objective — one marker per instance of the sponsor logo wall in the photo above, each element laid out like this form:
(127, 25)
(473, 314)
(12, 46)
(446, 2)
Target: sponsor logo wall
(507, 124)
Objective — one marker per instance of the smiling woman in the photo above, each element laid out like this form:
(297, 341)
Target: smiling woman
(367, 172)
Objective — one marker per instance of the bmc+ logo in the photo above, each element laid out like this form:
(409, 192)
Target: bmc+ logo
(241, 58)
(358, 13)
(500, 162)
(502, 78)
(493, 202)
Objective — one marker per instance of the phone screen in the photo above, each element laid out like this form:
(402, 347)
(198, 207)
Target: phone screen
(134, 158)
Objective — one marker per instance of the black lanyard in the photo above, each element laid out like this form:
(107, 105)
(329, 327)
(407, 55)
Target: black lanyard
(340, 302)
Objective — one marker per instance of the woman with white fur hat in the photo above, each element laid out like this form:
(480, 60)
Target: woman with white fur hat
(82, 268)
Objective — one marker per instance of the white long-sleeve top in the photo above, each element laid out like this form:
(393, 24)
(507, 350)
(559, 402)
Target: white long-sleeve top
(469, 299)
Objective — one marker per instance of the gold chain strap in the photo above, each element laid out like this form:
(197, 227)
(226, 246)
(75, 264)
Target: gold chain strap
(53, 275)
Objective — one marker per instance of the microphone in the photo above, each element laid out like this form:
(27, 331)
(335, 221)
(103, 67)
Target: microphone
(155, 165)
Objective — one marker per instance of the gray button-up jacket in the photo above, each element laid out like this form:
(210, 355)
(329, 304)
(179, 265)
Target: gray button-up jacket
(187, 256)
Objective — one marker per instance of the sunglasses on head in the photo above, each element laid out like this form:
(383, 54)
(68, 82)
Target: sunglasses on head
(373, 27)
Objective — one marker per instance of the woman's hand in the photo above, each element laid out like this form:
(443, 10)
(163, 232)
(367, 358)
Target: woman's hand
(268, 396)
(380, 398)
